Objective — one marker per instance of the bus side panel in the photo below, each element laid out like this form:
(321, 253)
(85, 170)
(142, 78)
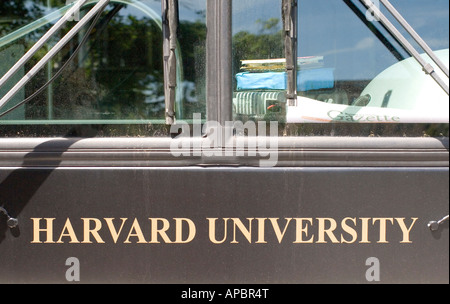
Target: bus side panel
(224, 225)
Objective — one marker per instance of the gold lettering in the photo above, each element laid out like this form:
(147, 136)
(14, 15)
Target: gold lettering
(277, 229)
(261, 231)
(179, 230)
(406, 231)
(300, 230)
(70, 233)
(136, 228)
(112, 228)
(365, 230)
(88, 231)
(382, 227)
(329, 231)
(37, 230)
(212, 230)
(185, 230)
(246, 232)
(349, 230)
(160, 231)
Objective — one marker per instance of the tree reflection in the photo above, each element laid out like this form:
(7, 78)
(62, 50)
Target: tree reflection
(118, 74)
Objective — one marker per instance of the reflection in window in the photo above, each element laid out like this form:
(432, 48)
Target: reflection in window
(117, 77)
(373, 77)
(258, 59)
(350, 69)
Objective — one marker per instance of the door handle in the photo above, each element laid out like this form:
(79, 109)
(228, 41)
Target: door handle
(434, 225)
(11, 221)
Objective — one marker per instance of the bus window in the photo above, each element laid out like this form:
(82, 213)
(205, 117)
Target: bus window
(258, 58)
(116, 78)
(350, 69)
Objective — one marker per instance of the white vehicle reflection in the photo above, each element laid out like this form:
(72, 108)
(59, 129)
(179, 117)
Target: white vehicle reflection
(403, 93)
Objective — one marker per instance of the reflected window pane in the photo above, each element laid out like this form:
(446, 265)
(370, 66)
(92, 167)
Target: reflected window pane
(351, 69)
(117, 75)
(364, 69)
(258, 59)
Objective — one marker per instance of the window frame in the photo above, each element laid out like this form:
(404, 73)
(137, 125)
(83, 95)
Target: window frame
(305, 151)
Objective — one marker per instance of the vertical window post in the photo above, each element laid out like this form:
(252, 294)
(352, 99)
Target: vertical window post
(219, 84)
(289, 26)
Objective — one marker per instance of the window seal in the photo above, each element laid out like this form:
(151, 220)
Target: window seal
(426, 152)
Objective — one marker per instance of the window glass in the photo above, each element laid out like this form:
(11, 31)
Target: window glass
(351, 70)
(258, 58)
(116, 80)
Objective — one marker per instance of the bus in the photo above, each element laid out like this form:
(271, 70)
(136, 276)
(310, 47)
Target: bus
(224, 142)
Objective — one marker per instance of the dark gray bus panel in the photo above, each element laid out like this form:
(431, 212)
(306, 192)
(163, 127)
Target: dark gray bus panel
(128, 220)
(224, 142)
